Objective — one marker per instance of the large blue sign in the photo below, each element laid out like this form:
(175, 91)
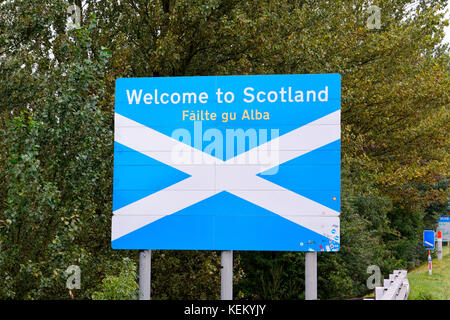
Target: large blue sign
(428, 239)
(227, 163)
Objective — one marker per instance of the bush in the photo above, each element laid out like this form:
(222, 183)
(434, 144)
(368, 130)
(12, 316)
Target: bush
(121, 287)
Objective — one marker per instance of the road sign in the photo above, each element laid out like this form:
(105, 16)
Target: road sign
(428, 239)
(227, 163)
(444, 227)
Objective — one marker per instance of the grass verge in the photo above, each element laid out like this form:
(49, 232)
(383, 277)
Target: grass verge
(431, 287)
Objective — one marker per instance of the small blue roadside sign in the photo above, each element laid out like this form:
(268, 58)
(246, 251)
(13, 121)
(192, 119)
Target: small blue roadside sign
(428, 239)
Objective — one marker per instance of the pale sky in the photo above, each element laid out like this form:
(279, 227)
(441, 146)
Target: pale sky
(447, 30)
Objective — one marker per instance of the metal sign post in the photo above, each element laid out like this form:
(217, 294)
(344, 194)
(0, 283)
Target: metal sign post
(145, 271)
(439, 245)
(430, 267)
(226, 276)
(311, 276)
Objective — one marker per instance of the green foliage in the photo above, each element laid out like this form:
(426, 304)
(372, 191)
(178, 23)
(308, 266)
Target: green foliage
(185, 274)
(122, 286)
(271, 275)
(58, 169)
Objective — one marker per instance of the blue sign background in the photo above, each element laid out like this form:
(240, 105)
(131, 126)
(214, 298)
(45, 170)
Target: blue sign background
(226, 221)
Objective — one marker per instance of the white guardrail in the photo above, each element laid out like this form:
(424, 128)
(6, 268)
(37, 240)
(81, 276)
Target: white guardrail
(394, 288)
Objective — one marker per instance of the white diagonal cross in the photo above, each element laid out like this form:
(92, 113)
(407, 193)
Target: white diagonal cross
(214, 175)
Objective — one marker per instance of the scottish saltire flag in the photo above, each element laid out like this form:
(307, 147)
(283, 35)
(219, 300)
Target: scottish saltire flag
(227, 163)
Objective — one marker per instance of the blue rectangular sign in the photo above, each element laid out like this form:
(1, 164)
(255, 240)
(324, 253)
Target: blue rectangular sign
(227, 163)
(428, 239)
